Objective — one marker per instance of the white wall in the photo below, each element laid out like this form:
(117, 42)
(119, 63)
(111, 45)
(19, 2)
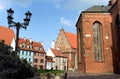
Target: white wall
(49, 65)
(13, 44)
(50, 53)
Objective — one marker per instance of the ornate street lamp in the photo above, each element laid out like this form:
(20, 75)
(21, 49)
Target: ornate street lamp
(18, 25)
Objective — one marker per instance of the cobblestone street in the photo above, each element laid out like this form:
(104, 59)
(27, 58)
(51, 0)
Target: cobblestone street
(76, 75)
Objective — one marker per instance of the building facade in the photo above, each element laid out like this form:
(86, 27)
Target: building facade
(115, 12)
(59, 59)
(39, 55)
(25, 50)
(50, 63)
(67, 43)
(98, 39)
(33, 52)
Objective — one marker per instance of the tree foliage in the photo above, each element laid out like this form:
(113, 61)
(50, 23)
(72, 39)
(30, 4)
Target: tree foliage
(11, 66)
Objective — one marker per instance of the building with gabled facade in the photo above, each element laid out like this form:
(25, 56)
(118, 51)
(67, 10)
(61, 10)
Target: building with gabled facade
(50, 63)
(98, 39)
(39, 55)
(32, 51)
(26, 50)
(67, 43)
(59, 58)
(8, 36)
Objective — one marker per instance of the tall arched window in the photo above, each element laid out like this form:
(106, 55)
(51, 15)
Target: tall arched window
(97, 35)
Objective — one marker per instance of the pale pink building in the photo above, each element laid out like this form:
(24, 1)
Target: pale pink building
(39, 55)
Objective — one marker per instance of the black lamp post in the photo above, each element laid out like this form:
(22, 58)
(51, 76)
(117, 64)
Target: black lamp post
(18, 25)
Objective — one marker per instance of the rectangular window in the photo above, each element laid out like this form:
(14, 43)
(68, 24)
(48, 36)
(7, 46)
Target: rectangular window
(29, 59)
(26, 52)
(35, 66)
(41, 66)
(41, 54)
(22, 52)
(30, 53)
(41, 61)
(35, 60)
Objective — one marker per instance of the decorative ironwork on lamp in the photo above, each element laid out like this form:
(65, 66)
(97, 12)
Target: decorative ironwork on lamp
(18, 25)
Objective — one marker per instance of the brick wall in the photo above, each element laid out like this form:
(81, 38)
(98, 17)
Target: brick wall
(115, 12)
(88, 62)
(63, 44)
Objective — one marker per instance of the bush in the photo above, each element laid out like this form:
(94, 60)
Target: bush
(49, 71)
(11, 66)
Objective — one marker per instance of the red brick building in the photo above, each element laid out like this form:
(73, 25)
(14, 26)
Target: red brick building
(99, 39)
(115, 12)
(67, 43)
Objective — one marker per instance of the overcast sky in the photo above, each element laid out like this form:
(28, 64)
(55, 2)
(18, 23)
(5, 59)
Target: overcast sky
(48, 16)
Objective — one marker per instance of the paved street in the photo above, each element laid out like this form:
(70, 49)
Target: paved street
(76, 75)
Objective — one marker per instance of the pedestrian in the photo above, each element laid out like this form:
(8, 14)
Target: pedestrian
(65, 75)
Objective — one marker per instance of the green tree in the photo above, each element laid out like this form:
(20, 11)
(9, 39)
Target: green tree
(11, 66)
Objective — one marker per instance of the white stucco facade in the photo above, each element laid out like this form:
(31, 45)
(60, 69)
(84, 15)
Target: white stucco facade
(60, 61)
(13, 44)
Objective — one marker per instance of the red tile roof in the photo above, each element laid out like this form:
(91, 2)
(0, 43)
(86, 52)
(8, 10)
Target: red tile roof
(57, 53)
(39, 45)
(72, 38)
(36, 46)
(6, 34)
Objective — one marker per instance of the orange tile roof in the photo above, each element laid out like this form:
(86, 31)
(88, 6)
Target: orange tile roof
(6, 34)
(57, 52)
(72, 38)
(37, 44)
(33, 44)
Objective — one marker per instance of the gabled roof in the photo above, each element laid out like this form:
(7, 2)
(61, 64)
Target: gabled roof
(26, 42)
(36, 46)
(39, 45)
(97, 9)
(57, 53)
(6, 34)
(72, 38)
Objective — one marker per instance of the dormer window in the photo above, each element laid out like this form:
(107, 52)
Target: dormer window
(22, 45)
(37, 48)
(41, 48)
(30, 46)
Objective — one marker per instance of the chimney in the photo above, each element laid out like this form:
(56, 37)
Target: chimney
(30, 40)
(53, 44)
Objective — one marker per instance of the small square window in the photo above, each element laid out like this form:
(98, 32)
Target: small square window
(30, 53)
(29, 59)
(22, 52)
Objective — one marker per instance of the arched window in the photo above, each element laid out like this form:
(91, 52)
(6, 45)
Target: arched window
(97, 36)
